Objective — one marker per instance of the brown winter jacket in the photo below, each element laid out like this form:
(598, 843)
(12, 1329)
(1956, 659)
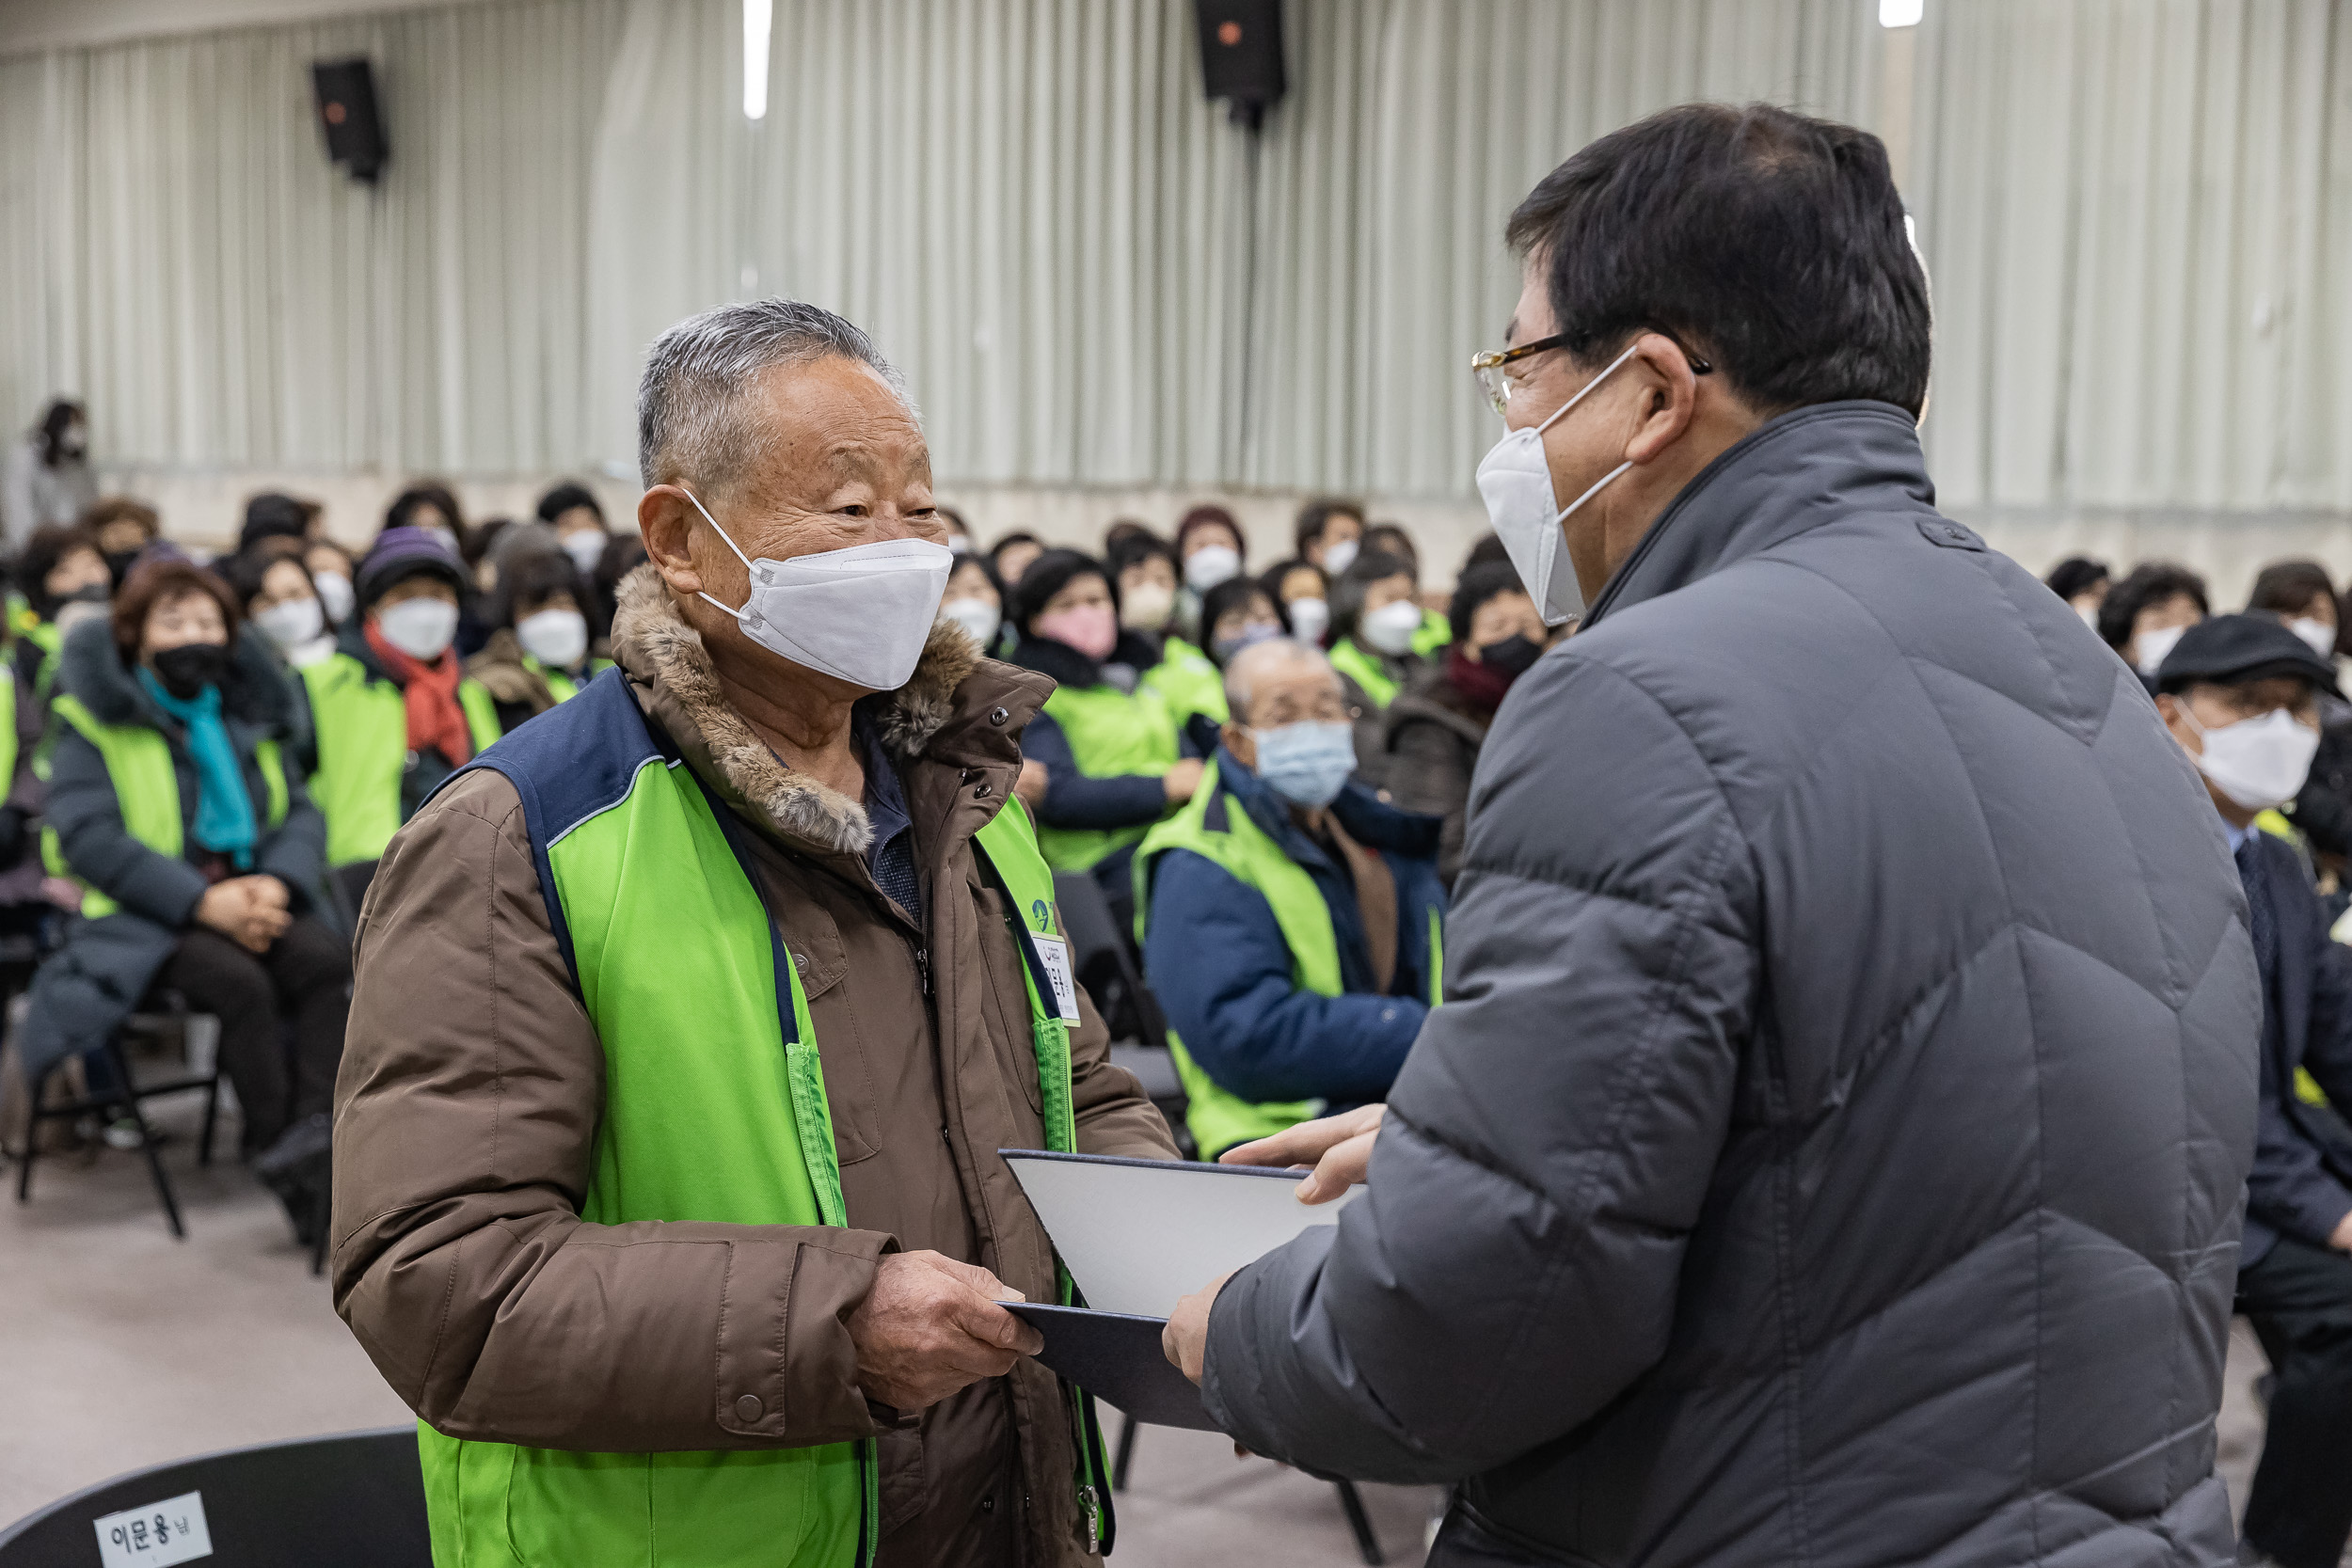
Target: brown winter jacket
(472, 1086)
(1433, 734)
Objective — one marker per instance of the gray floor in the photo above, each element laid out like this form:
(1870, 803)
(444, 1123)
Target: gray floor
(119, 1348)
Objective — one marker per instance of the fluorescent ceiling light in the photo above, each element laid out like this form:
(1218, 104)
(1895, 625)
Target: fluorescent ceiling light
(1899, 14)
(757, 15)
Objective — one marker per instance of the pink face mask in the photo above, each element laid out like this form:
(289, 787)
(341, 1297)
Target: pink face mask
(1089, 628)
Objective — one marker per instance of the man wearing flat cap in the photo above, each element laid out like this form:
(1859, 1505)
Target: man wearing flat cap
(2241, 695)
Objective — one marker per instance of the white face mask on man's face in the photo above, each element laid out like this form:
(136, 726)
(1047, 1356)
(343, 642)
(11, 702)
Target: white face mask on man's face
(860, 614)
(1515, 482)
(2259, 763)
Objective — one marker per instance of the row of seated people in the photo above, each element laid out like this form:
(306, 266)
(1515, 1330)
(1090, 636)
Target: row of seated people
(206, 765)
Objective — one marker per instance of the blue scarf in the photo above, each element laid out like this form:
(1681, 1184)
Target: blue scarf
(224, 812)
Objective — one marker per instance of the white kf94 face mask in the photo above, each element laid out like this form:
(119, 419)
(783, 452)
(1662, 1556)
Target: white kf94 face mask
(860, 614)
(1515, 481)
(2259, 763)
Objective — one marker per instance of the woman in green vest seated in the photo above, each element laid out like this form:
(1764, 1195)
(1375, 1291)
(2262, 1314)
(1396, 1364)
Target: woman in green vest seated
(538, 656)
(275, 589)
(63, 578)
(975, 600)
(1236, 613)
(1437, 626)
(174, 802)
(1209, 550)
(392, 714)
(1145, 566)
(1115, 761)
(1303, 590)
(1375, 615)
(1293, 927)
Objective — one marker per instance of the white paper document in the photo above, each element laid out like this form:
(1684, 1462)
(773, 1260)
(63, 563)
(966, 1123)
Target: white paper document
(1140, 1235)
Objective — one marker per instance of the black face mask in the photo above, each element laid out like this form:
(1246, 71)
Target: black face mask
(119, 563)
(191, 667)
(1511, 658)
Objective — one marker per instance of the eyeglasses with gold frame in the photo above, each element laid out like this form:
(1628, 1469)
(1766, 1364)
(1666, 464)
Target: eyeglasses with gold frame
(1487, 368)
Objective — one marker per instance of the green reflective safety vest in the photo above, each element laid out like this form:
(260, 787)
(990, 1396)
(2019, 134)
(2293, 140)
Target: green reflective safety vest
(1190, 683)
(45, 636)
(1364, 668)
(7, 731)
(715, 1110)
(1436, 632)
(138, 765)
(1218, 1117)
(560, 685)
(361, 724)
(1110, 732)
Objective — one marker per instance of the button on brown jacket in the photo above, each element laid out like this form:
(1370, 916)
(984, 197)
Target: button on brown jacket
(472, 1082)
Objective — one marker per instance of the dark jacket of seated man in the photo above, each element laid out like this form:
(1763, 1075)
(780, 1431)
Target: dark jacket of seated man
(2240, 694)
(1236, 992)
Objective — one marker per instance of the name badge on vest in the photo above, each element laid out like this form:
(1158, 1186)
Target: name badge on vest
(1054, 955)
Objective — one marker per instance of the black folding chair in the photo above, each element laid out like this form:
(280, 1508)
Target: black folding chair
(356, 1500)
(126, 1096)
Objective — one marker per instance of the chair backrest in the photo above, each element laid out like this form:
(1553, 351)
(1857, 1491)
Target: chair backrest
(354, 1501)
(1103, 957)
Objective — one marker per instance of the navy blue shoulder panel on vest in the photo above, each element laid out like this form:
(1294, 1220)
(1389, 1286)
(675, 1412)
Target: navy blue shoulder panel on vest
(568, 764)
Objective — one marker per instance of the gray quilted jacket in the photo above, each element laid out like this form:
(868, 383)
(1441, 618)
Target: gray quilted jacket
(1833, 1146)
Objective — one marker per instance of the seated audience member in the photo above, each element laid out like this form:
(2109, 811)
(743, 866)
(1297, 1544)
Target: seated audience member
(572, 512)
(2143, 615)
(392, 713)
(975, 600)
(175, 802)
(537, 656)
(1375, 617)
(431, 508)
(332, 573)
(959, 538)
(123, 527)
(1236, 614)
(2239, 693)
(1437, 725)
(1437, 627)
(2298, 593)
(273, 514)
(1012, 554)
(48, 482)
(1120, 531)
(1303, 590)
(276, 598)
(1108, 742)
(1290, 923)
(1209, 550)
(1145, 565)
(1329, 533)
(64, 579)
(2081, 582)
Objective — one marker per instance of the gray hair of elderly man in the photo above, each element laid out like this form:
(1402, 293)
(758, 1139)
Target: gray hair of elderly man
(690, 402)
(1254, 663)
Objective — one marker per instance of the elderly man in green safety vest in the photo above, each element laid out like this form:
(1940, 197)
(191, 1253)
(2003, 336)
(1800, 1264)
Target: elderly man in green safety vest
(690, 1019)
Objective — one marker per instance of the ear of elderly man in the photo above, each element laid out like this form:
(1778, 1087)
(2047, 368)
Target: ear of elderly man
(688, 1022)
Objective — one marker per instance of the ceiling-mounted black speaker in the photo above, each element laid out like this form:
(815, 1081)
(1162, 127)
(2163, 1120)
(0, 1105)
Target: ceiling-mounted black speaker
(347, 113)
(1241, 55)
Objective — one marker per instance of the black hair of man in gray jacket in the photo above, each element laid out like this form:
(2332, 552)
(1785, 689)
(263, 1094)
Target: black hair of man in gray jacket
(1831, 1146)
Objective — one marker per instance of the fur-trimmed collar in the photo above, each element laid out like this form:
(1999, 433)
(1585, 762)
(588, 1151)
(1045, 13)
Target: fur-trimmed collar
(653, 644)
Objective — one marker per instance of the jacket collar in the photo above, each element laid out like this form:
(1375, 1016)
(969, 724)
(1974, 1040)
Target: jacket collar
(958, 710)
(1068, 667)
(1796, 472)
(1363, 815)
(89, 669)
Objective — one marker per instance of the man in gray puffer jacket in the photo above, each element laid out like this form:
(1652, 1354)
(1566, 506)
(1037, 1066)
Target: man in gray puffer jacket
(1832, 1148)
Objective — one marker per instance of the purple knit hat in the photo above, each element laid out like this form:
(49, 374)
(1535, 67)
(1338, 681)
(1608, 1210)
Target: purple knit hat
(402, 553)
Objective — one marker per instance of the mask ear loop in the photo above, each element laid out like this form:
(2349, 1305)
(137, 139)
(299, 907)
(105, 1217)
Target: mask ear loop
(1561, 516)
(730, 544)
